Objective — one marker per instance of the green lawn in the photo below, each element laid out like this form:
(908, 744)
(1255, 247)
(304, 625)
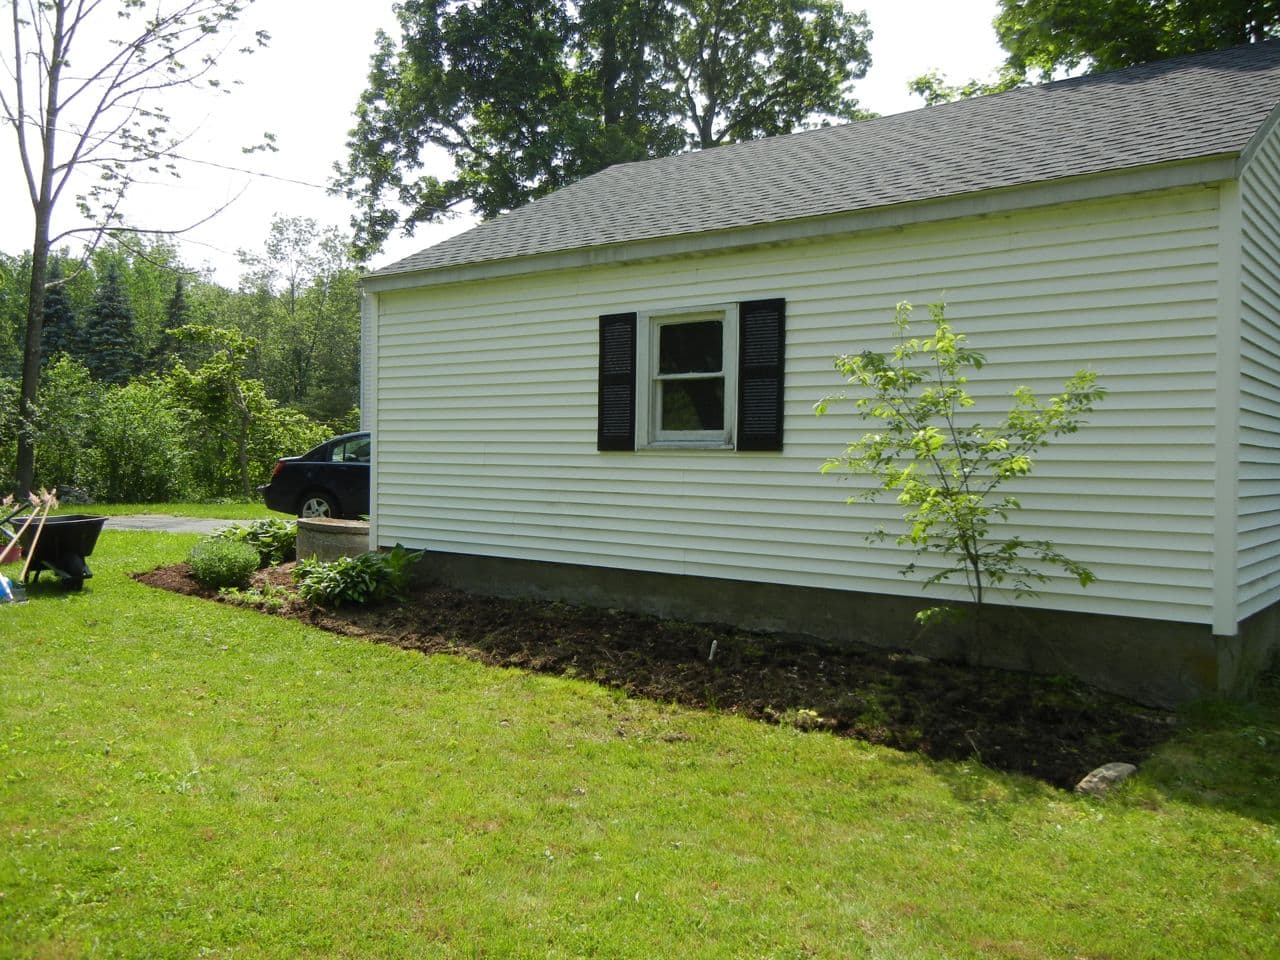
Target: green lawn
(218, 511)
(179, 779)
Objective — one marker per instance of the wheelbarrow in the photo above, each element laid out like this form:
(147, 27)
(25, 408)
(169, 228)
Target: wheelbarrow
(64, 542)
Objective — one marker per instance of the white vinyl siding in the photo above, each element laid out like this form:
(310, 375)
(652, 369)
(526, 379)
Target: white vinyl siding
(486, 411)
(1259, 484)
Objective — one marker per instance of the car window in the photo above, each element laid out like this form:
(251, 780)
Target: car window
(355, 450)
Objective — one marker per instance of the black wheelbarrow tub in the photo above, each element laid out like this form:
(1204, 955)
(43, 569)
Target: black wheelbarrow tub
(64, 543)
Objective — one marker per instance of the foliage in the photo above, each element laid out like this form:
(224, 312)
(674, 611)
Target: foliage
(528, 95)
(167, 347)
(944, 467)
(1045, 38)
(274, 539)
(367, 578)
(933, 87)
(64, 415)
(88, 119)
(108, 346)
(219, 564)
(235, 429)
(14, 280)
(759, 68)
(9, 425)
(269, 597)
(305, 308)
(348, 422)
(61, 329)
(137, 449)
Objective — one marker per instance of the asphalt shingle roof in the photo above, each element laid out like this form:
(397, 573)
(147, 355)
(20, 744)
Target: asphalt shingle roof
(1182, 109)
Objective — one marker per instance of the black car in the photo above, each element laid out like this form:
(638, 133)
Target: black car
(330, 481)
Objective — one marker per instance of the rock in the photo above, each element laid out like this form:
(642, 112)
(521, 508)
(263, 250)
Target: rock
(1105, 777)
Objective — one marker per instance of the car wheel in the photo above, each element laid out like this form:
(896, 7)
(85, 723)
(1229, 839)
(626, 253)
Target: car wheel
(317, 505)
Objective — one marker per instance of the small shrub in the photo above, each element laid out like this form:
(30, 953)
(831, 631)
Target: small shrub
(368, 578)
(222, 563)
(274, 539)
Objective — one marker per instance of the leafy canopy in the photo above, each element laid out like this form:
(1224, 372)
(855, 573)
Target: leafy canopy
(1047, 36)
(1044, 38)
(525, 96)
(943, 466)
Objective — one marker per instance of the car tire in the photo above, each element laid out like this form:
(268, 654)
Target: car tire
(317, 505)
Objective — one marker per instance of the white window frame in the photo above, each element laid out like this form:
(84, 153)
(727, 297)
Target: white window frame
(648, 416)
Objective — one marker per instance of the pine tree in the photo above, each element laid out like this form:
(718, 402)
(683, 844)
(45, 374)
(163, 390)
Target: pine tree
(108, 344)
(177, 314)
(61, 330)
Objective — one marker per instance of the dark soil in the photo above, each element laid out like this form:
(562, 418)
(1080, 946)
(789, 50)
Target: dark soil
(1050, 728)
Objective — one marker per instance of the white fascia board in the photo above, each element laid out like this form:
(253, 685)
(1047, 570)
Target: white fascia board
(1226, 489)
(1150, 179)
(1258, 138)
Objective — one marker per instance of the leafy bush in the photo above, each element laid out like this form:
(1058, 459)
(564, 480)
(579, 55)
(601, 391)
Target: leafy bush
(66, 407)
(8, 432)
(138, 453)
(367, 578)
(223, 563)
(274, 539)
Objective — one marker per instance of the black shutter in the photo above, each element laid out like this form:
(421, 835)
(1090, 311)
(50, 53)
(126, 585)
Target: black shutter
(616, 429)
(761, 348)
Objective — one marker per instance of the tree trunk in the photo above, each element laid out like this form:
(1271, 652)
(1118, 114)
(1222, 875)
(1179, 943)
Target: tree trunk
(42, 196)
(31, 357)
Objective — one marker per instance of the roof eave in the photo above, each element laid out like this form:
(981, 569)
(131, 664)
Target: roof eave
(1092, 186)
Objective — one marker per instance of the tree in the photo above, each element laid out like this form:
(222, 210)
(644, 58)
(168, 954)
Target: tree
(107, 342)
(526, 96)
(61, 326)
(177, 315)
(222, 401)
(945, 468)
(1043, 38)
(103, 116)
(310, 325)
(758, 68)
(14, 282)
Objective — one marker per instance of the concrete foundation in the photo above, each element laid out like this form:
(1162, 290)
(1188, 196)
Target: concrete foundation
(327, 539)
(1151, 661)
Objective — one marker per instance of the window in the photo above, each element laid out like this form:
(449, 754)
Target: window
(355, 450)
(706, 377)
(689, 377)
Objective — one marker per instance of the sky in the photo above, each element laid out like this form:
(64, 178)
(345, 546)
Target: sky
(304, 86)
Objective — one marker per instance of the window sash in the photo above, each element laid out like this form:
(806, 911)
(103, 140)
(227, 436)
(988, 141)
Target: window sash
(650, 432)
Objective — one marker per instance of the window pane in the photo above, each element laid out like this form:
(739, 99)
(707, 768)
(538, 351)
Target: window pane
(690, 347)
(351, 451)
(693, 404)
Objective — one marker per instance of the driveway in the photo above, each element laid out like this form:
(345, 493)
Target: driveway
(167, 524)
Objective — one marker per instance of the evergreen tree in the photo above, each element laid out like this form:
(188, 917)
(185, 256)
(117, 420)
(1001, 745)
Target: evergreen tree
(108, 344)
(61, 330)
(177, 314)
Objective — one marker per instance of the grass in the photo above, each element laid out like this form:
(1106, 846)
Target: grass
(180, 779)
(218, 511)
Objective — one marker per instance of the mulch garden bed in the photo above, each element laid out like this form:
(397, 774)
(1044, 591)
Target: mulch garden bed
(1049, 728)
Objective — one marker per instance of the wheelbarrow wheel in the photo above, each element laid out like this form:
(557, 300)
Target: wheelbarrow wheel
(71, 570)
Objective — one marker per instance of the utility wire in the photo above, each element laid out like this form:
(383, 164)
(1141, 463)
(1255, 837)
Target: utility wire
(160, 154)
